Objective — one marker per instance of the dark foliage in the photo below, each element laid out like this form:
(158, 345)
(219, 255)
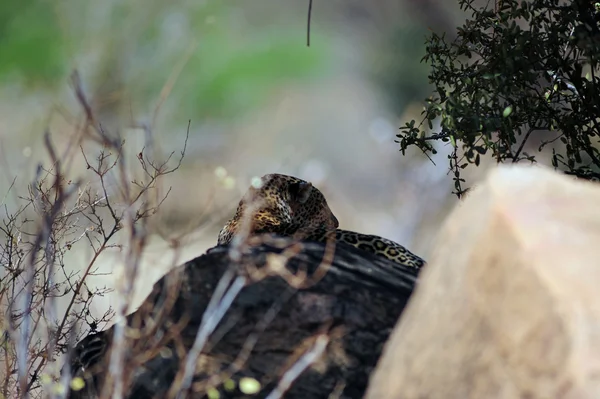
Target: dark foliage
(518, 70)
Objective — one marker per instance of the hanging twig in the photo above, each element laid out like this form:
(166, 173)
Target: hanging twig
(308, 23)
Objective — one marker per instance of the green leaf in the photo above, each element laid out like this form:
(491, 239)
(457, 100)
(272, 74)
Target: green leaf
(452, 140)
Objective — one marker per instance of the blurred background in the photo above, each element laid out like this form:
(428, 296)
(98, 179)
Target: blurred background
(259, 101)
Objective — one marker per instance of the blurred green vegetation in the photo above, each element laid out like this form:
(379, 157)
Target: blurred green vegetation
(397, 68)
(134, 46)
(30, 41)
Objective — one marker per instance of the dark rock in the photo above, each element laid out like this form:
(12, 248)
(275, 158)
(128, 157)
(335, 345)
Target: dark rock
(351, 303)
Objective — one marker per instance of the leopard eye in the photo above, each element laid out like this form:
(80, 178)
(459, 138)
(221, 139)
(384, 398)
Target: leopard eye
(300, 191)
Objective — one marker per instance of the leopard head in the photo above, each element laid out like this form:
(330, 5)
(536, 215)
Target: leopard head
(280, 204)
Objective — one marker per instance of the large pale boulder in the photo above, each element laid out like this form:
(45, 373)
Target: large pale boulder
(509, 305)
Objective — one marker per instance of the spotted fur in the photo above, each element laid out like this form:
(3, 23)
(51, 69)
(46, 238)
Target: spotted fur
(288, 206)
(283, 205)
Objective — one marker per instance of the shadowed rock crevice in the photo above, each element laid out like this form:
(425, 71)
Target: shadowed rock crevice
(348, 306)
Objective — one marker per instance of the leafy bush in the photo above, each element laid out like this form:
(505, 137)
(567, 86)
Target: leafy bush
(514, 69)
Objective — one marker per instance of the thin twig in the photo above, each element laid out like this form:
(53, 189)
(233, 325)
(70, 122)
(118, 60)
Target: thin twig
(308, 23)
(299, 366)
(217, 307)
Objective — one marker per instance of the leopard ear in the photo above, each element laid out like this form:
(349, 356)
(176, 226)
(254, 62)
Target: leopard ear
(336, 223)
(300, 191)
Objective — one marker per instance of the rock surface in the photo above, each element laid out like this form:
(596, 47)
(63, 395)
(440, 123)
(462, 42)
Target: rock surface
(509, 305)
(348, 307)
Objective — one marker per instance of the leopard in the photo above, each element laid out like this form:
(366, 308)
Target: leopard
(287, 206)
(274, 204)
